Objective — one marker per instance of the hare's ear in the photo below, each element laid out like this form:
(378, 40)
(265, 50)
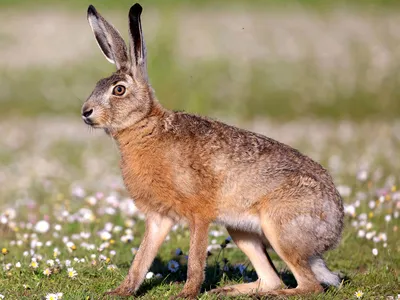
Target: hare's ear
(108, 38)
(137, 44)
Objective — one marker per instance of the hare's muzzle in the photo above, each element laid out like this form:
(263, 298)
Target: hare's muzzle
(86, 113)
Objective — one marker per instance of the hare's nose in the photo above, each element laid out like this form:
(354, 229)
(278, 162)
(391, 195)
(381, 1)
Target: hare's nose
(87, 113)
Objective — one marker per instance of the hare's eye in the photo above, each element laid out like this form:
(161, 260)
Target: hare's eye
(119, 90)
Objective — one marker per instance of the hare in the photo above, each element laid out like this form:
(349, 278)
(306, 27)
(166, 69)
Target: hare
(182, 167)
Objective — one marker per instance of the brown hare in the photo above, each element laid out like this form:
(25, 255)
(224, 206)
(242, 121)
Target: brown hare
(182, 167)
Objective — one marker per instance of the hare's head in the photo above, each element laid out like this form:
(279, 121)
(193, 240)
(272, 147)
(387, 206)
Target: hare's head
(125, 97)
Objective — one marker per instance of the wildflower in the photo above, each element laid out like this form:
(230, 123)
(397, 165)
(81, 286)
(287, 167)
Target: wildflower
(4, 251)
(383, 237)
(50, 262)
(71, 246)
(362, 175)
(91, 200)
(102, 257)
(113, 252)
(111, 267)
(127, 238)
(149, 275)
(241, 268)
(388, 218)
(105, 235)
(67, 263)
(375, 252)
(370, 235)
(212, 247)
(158, 275)
(178, 252)
(350, 210)
(2, 296)
(72, 273)
(42, 226)
(47, 272)
(56, 252)
(53, 296)
(129, 223)
(361, 233)
(173, 266)
(359, 294)
(108, 226)
(78, 191)
(371, 204)
(34, 264)
(117, 229)
(18, 265)
(85, 235)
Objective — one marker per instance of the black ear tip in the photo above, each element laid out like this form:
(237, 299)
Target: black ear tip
(91, 10)
(135, 10)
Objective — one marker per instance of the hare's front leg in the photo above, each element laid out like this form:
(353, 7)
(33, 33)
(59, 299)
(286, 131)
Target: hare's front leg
(157, 228)
(197, 259)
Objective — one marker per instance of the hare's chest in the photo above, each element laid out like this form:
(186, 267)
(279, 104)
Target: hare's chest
(147, 179)
(140, 175)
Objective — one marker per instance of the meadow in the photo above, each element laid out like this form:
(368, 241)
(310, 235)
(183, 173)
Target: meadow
(323, 77)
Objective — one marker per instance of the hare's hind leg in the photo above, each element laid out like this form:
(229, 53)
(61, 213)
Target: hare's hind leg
(251, 244)
(297, 259)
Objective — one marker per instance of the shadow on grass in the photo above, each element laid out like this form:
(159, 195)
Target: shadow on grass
(214, 275)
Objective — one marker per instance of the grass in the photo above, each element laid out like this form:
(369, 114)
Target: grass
(82, 166)
(279, 63)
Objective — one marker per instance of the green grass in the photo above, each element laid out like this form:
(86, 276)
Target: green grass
(362, 83)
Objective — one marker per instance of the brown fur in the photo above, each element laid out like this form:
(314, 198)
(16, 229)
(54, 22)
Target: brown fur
(177, 166)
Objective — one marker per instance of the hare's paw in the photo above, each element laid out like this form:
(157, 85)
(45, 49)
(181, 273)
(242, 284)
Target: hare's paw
(122, 291)
(225, 291)
(184, 295)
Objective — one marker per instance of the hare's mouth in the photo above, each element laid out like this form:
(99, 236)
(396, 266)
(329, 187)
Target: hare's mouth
(90, 122)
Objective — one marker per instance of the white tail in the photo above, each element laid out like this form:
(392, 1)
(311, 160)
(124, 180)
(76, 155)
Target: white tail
(323, 274)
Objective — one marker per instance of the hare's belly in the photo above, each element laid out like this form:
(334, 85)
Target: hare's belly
(239, 220)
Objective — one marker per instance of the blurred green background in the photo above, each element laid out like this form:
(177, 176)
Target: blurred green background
(230, 59)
